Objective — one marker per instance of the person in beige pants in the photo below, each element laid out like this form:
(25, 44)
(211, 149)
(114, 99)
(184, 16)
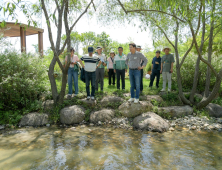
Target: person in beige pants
(167, 68)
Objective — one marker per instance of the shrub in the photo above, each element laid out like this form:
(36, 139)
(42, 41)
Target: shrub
(23, 78)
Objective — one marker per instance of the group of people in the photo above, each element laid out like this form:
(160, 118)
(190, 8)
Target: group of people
(118, 64)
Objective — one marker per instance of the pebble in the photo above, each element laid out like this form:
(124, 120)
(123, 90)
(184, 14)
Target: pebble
(2, 127)
(91, 124)
(73, 129)
(47, 125)
(90, 130)
(82, 126)
(171, 129)
(99, 123)
(193, 127)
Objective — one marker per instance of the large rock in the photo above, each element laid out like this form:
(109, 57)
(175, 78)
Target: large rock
(34, 119)
(48, 104)
(151, 98)
(110, 100)
(130, 109)
(176, 111)
(72, 115)
(214, 110)
(102, 115)
(90, 103)
(151, 122)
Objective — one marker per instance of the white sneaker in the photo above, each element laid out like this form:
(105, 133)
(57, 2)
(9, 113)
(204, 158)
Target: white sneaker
(88, 97)
(136, 101)
(131, 100)
(75, 95)
(169, 90)
(162, 90)
(92, 98)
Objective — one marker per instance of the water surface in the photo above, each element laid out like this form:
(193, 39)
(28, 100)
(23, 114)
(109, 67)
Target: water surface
(109, 148)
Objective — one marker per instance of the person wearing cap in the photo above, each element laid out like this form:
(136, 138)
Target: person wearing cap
(138, 48)
(100, 69)
(167, 68)
(72, 72)
(90, 67)
(110, 62)
(120, 67)
(156, 66)
(134, 59)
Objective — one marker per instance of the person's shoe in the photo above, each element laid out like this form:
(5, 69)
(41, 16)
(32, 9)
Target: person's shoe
(131, 100)
(162, 90)
(123, 89)
(88, 97)
(169, 90)
(75, 95)
(136, 101)
(69, 96)
(92, 98)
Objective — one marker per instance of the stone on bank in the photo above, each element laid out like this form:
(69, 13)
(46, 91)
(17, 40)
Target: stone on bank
(130, 109)
(34, 119)
(72, 115)
(151, 122)
(102, 115)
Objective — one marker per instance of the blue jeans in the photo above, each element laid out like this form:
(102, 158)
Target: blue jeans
(73, 74)
(135, 82)
(90, 76)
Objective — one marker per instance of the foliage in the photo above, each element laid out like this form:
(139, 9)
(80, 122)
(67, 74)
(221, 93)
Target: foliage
(22, 80)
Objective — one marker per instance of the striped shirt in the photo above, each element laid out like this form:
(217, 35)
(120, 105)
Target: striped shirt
(90, 62)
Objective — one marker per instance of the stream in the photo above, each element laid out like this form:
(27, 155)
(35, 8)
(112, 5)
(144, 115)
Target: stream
(109, 148)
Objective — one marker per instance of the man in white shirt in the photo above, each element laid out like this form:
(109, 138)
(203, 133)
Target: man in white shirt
(90, 67)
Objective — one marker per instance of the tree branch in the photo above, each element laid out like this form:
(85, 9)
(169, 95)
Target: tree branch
(48, 26)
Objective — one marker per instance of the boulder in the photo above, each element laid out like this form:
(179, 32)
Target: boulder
(176, 111)
(130, 109)
(90, 103)
(2, 127)
(151, 122)
(72, 115)
(214, 110)
(110, 100)
(152, 97)
(102, 115)
(34, 119)
(48, 104)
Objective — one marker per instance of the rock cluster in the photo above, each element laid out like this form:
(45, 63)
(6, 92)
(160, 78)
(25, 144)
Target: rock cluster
(198, 123)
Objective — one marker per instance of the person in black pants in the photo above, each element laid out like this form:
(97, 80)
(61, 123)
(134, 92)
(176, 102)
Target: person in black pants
(110, 62)
(138, 48)
(156, 67)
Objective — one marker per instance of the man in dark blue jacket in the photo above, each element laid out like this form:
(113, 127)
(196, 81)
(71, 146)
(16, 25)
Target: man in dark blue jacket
(156, 67)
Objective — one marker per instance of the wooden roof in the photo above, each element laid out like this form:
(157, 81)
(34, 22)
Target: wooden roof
(13, 30)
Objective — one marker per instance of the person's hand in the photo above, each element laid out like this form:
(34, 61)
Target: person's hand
(126, 70)
(140, 68)
(160, 71)
(171, 70)
(114, 71)
(107, 70)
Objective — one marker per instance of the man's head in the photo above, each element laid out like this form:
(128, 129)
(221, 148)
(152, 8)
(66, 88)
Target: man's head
(120, 50)
(138, 48)
(157, 53)
(132, 47)
(90, 51)
(72, 51)
(112, 53)
(99, 50)
(166, 50)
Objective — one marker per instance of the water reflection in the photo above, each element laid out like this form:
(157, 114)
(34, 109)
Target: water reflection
(108, 148)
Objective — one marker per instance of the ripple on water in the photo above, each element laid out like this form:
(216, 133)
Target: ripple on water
(108, 148)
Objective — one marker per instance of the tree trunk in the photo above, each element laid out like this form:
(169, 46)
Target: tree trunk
(216, 88)
(196, 74)
(52, 80)
(210, 46)
(63, 88)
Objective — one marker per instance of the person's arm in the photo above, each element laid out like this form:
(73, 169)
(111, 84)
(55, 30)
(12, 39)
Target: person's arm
(80, 61)
(144, 59)
(161, 68)
(100, 62)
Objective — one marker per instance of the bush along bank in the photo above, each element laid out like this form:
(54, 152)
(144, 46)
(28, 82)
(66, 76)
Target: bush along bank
(153, 113)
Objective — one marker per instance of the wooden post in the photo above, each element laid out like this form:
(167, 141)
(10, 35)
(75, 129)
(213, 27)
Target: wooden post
(40, 41)
(23, 39)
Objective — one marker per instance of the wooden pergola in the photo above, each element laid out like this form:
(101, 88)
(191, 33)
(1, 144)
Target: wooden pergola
(22, 30)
